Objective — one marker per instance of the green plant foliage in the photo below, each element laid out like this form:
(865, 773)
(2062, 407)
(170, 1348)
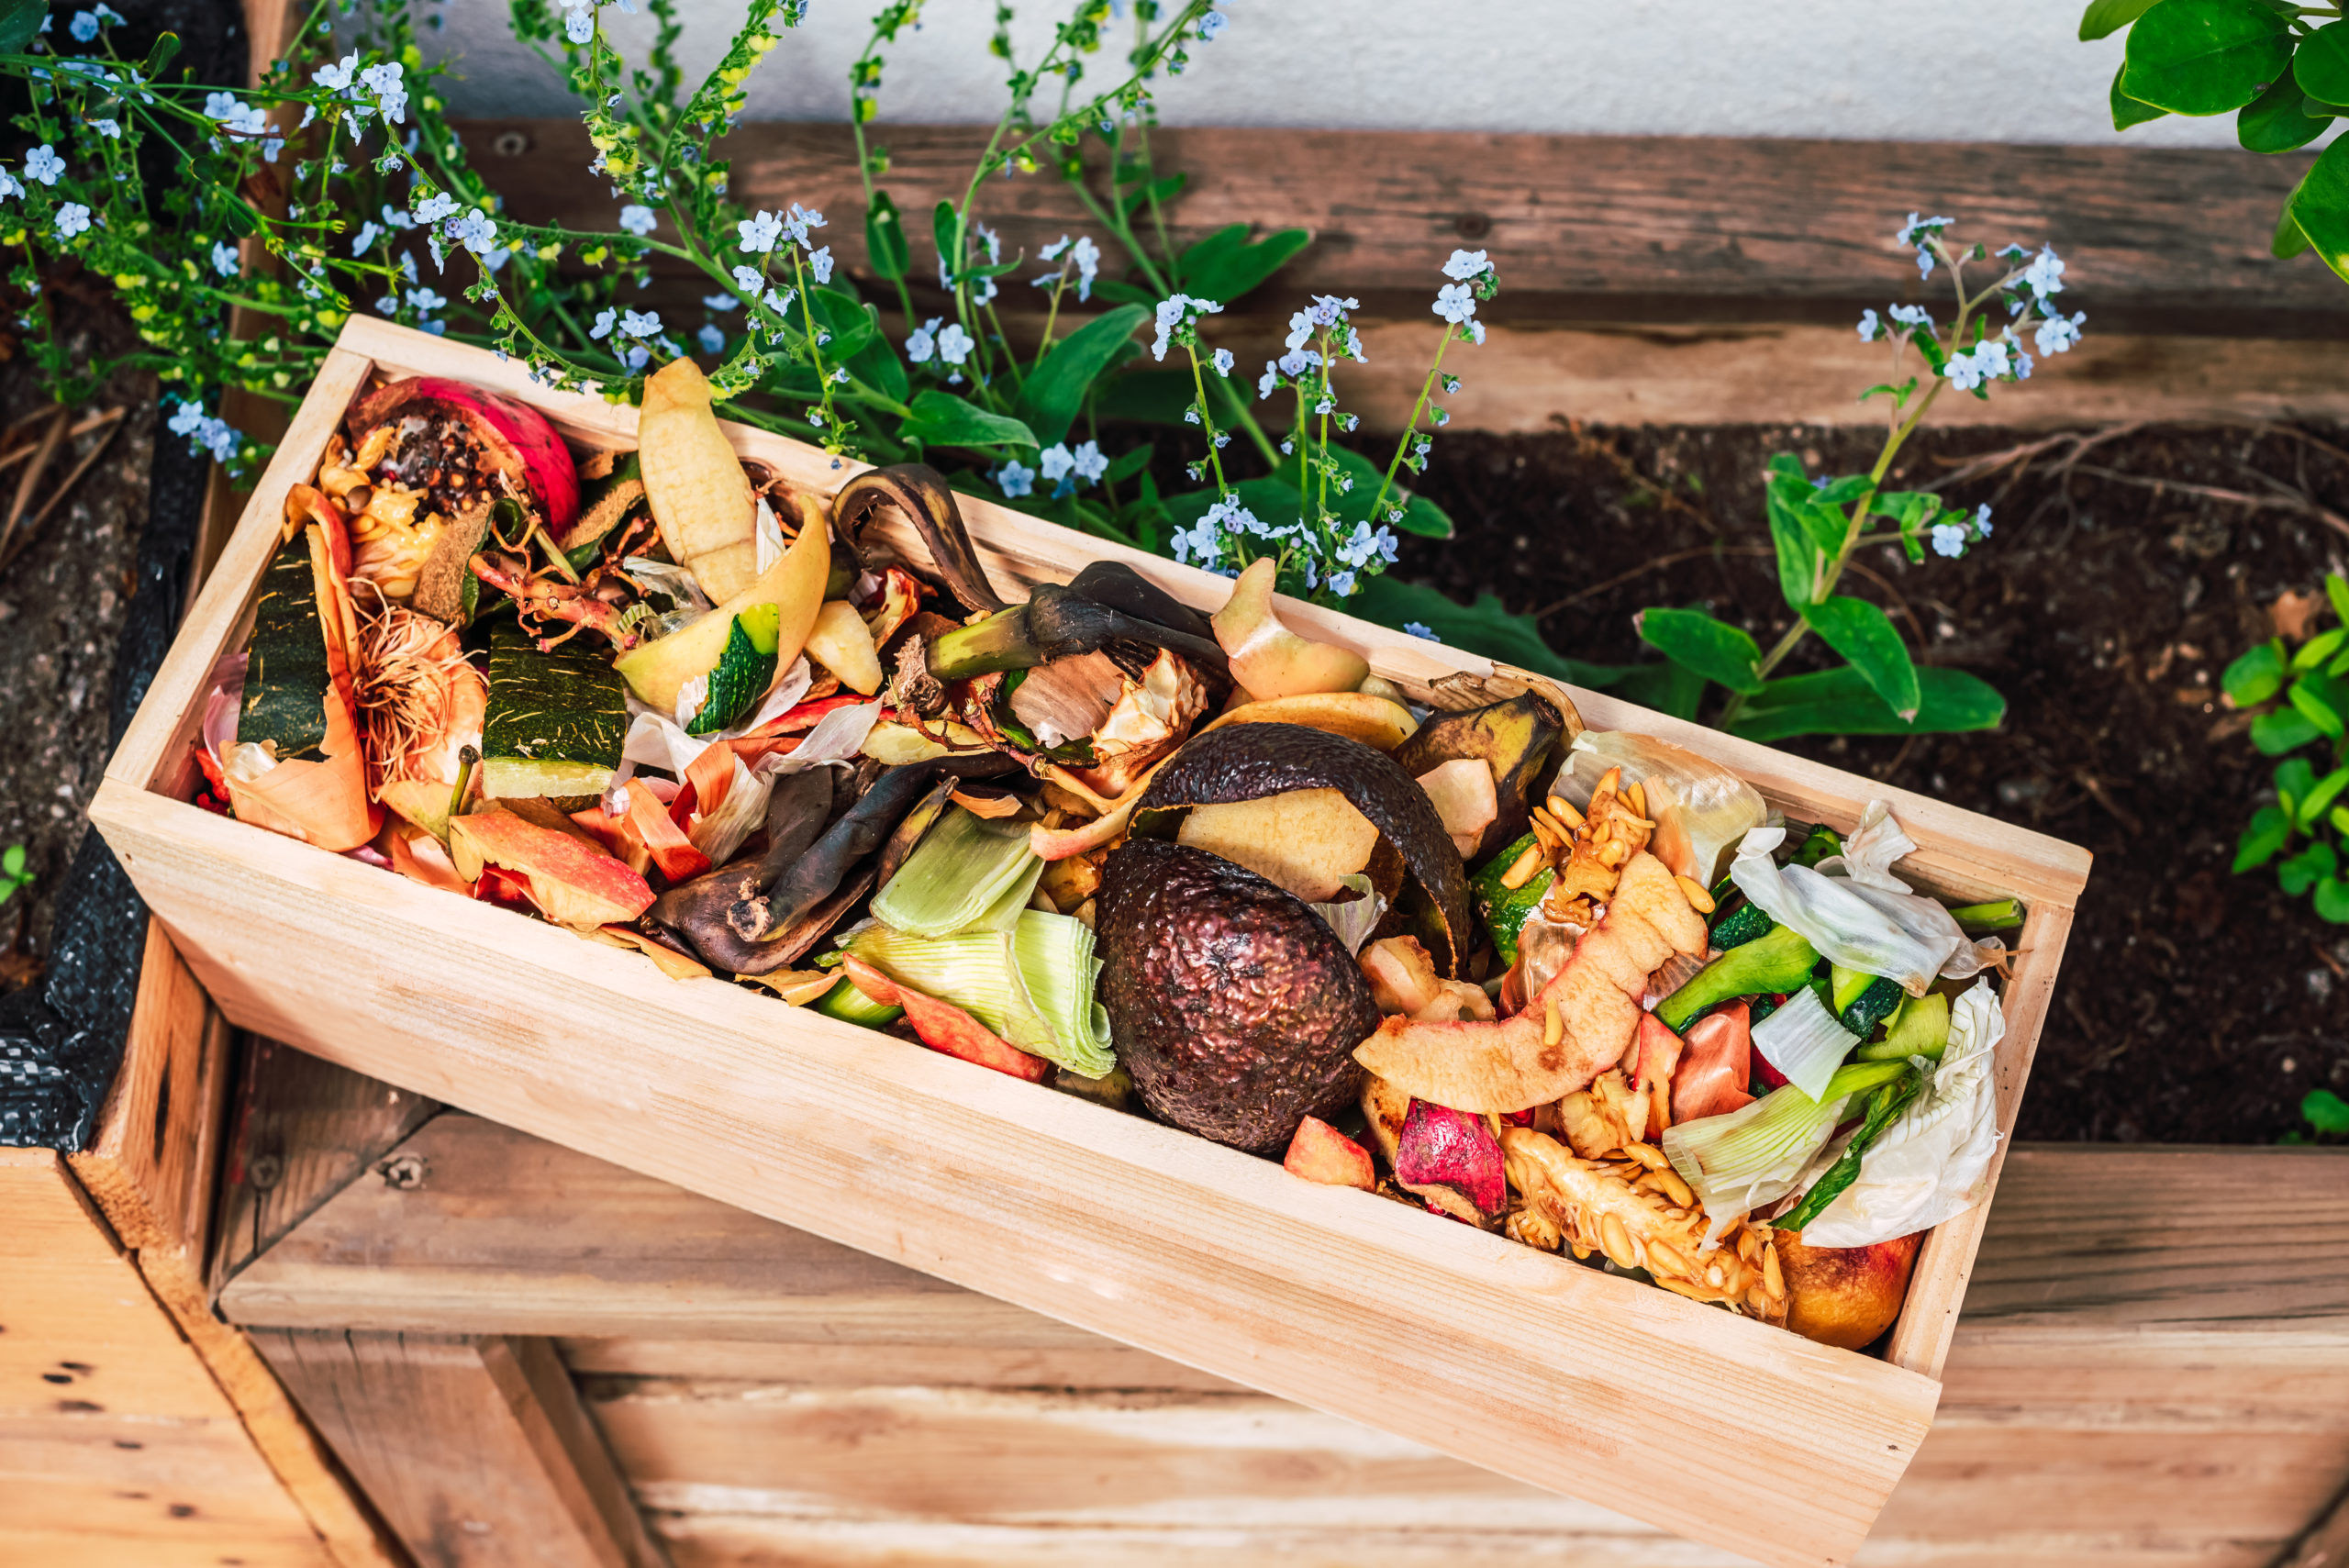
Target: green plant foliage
(2205, 57)
(2302, 698)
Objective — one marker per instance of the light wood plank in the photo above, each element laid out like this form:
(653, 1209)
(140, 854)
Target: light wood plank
(476, 1450)
(110, 1427)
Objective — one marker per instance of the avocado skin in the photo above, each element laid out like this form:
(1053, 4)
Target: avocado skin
(1234, 1006)
(1249, 761)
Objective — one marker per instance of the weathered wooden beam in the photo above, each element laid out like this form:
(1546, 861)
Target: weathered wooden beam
(477, 1449)
(1582, 228)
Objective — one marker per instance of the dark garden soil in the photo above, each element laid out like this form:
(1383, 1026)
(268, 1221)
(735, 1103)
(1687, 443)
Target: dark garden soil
(63, 600)
(2195, 1007)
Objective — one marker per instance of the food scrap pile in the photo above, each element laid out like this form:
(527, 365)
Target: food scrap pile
(1573, 987)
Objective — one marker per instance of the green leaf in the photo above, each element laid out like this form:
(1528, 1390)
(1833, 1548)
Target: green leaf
(167, 47)
(1055, 390)
(2319, 649)
(851, 323)
(1128, 463)
(2289, 239)
(1486, 626)
(2325, 1111)
(2270, 830)
(1163, 189)
(2338, 818)
(2321, 701)
(2256, 676)
(2321, 206)
(876, 364)
(1840, 702)
(940, 418)
(2127, 111)
(2311, 865)
(2205, 57)
(2274, 122)
(1798, 552)
(2320, 66)
(2319, 798)
(884, 238)
(2294, 779)
(2286, 729)
(19, 24)
(2337, 588)
(1866, 639)
(12, 862)
(2332, 900)
(1224, 266)
(946, 231)
(1713, 648)
(2105, 18)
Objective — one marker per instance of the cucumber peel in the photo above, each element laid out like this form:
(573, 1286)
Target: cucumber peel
(1779, 961)
(743, 673)
(1505, 909)
(1920, 1028)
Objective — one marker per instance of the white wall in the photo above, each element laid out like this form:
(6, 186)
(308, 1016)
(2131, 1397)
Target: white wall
(1983, 70)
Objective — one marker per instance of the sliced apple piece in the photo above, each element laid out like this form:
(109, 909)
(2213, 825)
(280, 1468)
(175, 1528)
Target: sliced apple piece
(1402, 977)
(842, 643)
(571, 881)
(1306, 840)
(794, 584)
(1577, 1025)
(1269, 660)
(1320, 1152)
(1465, 797)
(1659, 1054)
(945, 1028)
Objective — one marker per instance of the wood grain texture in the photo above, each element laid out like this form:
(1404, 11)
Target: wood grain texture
(476, 1450)
(1660, 228)
(113, 1435)
(152, 1159)
(1516, 1359)
(301, 1130)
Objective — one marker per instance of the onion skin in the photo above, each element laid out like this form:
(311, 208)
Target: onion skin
(517, 436)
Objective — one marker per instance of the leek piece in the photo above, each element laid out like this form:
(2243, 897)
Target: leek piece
(1034, 987)
(967, 874)
(1756, 1155)
(1999, 915)
(1803, 1041)
(850, 1005)
(1883, 1105)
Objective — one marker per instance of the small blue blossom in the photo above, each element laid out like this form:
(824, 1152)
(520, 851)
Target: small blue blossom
(1982, 520)
(1949, 539)
(2045, 274)
(749, 280)
(819, 265)
(475, 232)
(955, 345)
(1911, 316)
(1269, 381)
(1465, 266)
(2058, 333)
(1223, 363)
(712, 340)
(224, 259)
(434, 207)
(579, 25)
(1198, 545)
(1871, 328)
(639, 219)
(1454, 303)
(1420, 629)
(42, 163)
(1341, 583)
(1055, 463)
(1089, 464)
(1211, 26)
(760, 233)
(112, 130)
(336, 78)
(1176, 316)
(603, 319)
(8, 185)
(799, 221)
(369, 232)
(83, 26)
(641, 323)
(424, 299)
(1013, 480)
(719, 302)
(72, 219)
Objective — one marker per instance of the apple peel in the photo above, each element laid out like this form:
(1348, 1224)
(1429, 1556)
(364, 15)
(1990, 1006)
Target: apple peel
(1576, 1027)
(945, 1028)
(571, 882)
(1320, 1152)
(1267, 659)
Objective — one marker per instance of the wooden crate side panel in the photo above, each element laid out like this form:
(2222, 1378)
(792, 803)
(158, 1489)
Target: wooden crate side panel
(1064, 1208)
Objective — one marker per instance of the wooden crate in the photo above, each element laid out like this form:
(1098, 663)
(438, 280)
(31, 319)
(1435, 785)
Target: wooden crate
(1500, 1355)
